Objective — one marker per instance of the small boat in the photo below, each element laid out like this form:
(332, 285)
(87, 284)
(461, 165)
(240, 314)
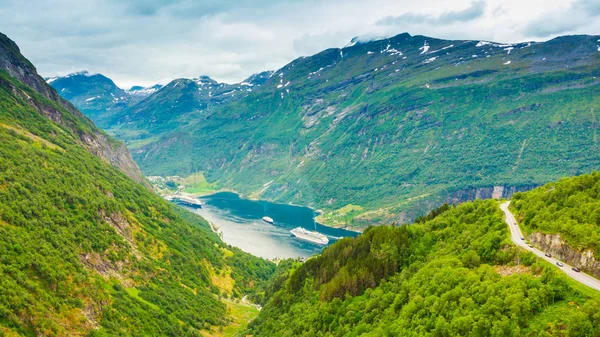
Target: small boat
(268, 219)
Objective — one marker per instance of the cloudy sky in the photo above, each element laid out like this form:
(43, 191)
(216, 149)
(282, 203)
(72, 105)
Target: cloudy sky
(154, 41)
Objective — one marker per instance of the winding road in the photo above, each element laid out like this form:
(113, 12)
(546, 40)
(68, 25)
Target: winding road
(516, 236)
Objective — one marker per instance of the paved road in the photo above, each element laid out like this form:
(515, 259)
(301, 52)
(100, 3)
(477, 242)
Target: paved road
(516, 236)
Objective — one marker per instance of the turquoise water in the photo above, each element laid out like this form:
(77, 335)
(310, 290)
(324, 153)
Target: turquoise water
(243, 227)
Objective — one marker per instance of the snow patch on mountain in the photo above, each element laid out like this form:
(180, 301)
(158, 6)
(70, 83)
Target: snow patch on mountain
(391, 51)
(429, 60)
(352, 42)
(444, 48)
(362, 39)
(493, 44)
(316, 72)
(78, 73)
(143, 91)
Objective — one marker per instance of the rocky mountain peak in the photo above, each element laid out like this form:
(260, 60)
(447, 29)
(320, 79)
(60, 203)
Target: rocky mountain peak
(258, 79)
(94, 140)
(205, 80)
(12, 61)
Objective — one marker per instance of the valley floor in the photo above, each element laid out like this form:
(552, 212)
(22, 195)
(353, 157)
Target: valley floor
(241, 313)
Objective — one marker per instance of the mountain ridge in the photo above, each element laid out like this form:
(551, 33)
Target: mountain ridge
(93, 138)
(389, 111)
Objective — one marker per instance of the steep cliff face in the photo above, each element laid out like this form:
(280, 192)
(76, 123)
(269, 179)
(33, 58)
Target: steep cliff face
(555, 245)
(92, 138)
(115, 153)
(492, 192)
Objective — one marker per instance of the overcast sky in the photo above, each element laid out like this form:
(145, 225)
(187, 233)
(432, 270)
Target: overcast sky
(154, 41)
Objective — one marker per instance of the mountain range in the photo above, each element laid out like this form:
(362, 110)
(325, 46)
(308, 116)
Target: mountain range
(98, 96)
(381, 130)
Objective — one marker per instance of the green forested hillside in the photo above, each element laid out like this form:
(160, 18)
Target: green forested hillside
(396, 126)
(85, 250)
(456, 274)
(569, 207)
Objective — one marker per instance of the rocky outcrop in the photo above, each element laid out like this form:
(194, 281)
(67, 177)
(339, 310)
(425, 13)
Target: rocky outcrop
(107, 268)
(114, 153)
(20, 68)
(96, 141)
(120, 224)
(491, 192)
(555, 245)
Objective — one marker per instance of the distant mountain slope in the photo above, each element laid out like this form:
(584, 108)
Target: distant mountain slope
(84, 249)
(395, 126)
(98, 96)
(181, 102)
(454, 274)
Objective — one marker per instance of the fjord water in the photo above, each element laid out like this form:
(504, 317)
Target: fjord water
(241, 223)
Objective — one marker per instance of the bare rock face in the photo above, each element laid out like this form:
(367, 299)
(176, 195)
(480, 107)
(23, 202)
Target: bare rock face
(555, 245)
(115, 153)
(96, 141)
(20, 68)
(492, 192)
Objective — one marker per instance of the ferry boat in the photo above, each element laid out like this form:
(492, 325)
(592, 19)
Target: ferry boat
(306, 235)
(187, 201)
(268, 219)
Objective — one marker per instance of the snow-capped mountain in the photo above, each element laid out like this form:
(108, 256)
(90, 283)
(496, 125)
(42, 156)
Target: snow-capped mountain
(97, 96)
(143, 91)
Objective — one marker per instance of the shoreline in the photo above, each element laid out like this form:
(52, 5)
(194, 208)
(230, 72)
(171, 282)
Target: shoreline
(242, 196)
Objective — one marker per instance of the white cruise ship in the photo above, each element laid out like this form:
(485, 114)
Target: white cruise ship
(314, 237)
(187, 201)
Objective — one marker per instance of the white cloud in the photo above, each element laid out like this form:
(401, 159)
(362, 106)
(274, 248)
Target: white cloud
(149, 41)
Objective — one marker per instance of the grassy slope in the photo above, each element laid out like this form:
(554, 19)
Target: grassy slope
(241, 315)
(87, 251)
(457, 275)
